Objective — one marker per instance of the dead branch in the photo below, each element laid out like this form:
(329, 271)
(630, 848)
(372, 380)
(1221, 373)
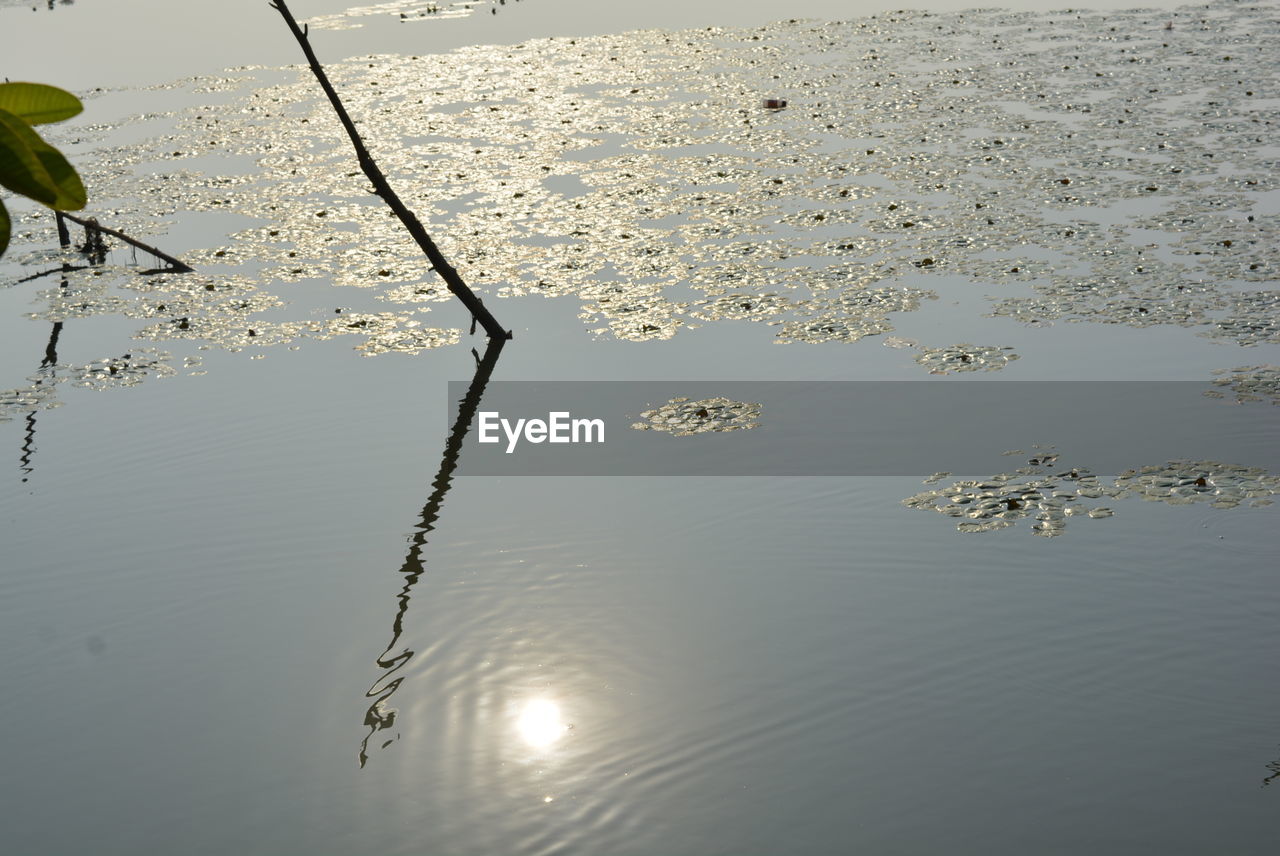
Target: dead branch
(383, 188)
(94, 231)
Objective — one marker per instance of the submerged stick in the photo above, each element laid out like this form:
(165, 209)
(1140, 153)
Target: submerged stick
(93, 226)
(383, 188)
(64, 237)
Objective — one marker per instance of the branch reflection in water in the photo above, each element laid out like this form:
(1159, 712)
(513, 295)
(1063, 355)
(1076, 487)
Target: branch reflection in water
(381, 716)
(46, 372)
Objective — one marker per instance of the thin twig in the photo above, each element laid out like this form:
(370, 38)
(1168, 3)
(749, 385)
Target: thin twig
(383, 188)
(177, 265)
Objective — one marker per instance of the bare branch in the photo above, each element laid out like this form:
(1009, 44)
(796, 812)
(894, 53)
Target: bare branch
(383, 188)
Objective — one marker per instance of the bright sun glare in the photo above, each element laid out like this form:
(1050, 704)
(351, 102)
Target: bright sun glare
(540, 724)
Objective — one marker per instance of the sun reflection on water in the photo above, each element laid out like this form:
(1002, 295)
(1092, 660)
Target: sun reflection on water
(540, 724)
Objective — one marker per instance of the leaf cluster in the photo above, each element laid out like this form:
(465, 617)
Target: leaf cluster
(28, 165)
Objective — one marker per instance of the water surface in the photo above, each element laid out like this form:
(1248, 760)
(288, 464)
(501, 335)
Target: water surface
(247, 604)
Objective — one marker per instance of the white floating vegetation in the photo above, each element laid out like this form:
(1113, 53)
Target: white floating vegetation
(402, 10)
(128, 369)
(1047, 494)
(408, 338)
(1253, 318)
(1248, 384)
(41, 394)
(1033, 493)
(131, 368)
(1186, 482)
(965, 358)
(682, 417)
(899, 342)
(738, 307)
(872, 302)
(832, 329)
(1083, 177)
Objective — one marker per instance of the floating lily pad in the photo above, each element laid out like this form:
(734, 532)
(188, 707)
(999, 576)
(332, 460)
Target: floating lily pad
(1248, 384)
(39, 395)
(1084, 177)
(128, 369)
(740, 306)
(965, 358)
(1047, 493)
(682, 417)
(1185, 482)
(1034, 492)
(832, 329)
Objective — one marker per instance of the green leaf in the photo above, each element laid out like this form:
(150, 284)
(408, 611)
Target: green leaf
(20, 170)
(4, 228)
(32, 167)
(71, 192)
(37, 103)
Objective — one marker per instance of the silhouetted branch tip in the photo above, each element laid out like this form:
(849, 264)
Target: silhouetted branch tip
(383, 187)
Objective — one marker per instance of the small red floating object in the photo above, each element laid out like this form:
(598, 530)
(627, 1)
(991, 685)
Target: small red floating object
(775, 103)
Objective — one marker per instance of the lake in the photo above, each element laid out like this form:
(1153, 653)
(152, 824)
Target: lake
(933, 507)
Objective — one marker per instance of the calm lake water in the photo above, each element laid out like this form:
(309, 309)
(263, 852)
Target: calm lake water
(248, 605)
